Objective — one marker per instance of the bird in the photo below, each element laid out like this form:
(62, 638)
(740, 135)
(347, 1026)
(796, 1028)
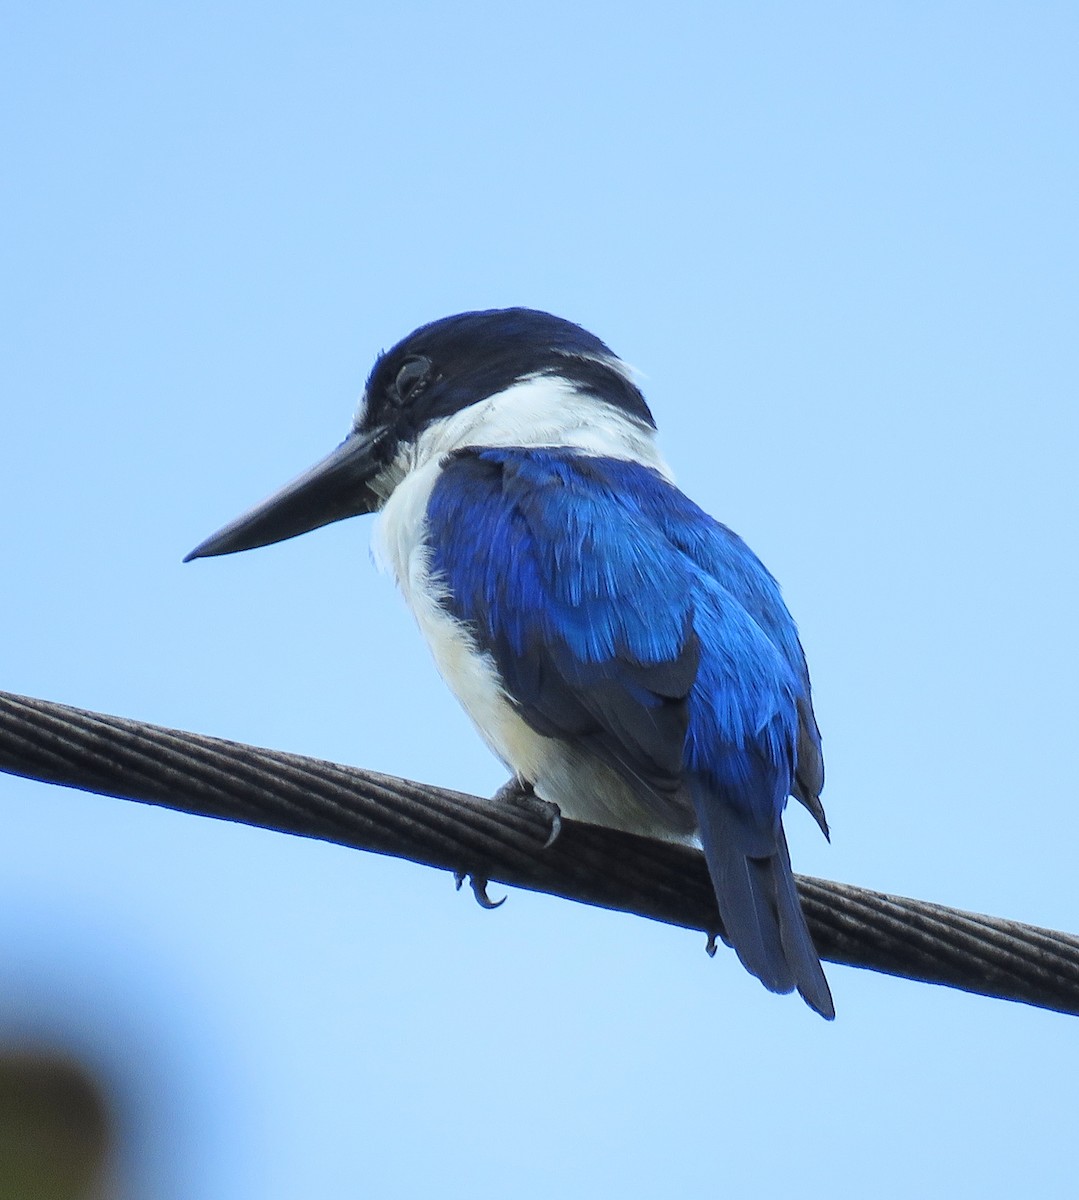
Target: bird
(626, 655)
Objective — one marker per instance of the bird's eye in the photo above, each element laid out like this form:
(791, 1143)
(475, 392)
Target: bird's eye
(411, 378)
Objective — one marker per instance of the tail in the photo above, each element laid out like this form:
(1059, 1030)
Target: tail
(758, 901)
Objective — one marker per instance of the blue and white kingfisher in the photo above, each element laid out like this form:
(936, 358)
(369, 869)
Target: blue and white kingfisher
(626, 656)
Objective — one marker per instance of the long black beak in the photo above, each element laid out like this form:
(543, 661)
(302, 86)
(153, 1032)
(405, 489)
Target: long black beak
(336, 488)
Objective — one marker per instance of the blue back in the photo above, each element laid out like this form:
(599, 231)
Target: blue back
(620, 614)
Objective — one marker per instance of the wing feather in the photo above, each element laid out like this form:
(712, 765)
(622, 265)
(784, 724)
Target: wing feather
(623, 619)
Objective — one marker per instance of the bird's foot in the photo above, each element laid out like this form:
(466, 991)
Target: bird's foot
(479, 889)
(514, 791)
(519, 791)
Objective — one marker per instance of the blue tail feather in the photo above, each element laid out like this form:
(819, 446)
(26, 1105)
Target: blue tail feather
(758, 900)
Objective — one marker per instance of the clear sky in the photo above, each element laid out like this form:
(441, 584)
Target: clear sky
(840, 242)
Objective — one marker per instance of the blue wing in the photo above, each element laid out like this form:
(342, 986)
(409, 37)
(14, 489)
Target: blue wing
(723, 555)
(623, 618)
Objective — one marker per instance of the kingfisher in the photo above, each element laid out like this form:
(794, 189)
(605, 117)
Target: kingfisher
(627, 656)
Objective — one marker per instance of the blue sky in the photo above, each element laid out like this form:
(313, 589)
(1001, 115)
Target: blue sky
(840, 243)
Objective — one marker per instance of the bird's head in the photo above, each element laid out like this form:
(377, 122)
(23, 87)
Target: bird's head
(511, 376)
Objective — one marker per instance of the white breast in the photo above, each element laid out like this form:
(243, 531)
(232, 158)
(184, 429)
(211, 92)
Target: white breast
(469, 672)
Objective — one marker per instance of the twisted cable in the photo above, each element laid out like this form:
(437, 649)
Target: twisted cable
(511, 843)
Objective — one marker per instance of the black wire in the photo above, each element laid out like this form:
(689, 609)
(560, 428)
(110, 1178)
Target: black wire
(508, 843)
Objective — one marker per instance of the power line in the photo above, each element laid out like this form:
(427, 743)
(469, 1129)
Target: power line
(511, 843)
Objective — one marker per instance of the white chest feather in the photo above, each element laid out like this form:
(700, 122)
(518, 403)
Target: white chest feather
(470, 673)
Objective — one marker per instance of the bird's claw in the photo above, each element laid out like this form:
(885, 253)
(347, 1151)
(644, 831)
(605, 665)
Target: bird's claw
(711, 946)
(479, 889)
(556, 829)
(516, 791)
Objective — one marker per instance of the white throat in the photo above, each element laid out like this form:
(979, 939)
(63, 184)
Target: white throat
(541, 410)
